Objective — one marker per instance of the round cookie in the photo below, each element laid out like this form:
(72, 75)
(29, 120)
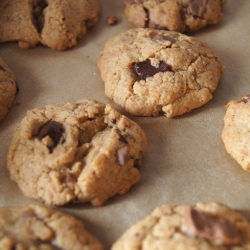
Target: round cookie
(75, 152)
(201, 226)
(38, 227)
(175, 15)
(235, 134)
(8, 88)
(54, 23)
(148, 72)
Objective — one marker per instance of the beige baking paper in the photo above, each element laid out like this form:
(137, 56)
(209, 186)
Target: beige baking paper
(185, 161)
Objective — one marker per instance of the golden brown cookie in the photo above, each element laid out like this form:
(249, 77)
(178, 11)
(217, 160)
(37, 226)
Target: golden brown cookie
(8, 88)
(37, 227)
(149, 72)
(175, 15)
(200, 226)
(58, 24)
(236, 131)
(76, 152)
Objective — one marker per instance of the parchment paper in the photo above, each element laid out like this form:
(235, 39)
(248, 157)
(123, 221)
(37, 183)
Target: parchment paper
(185, 161)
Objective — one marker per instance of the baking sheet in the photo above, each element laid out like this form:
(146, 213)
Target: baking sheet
(185, 161)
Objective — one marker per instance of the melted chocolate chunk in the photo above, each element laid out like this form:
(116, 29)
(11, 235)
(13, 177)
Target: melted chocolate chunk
(145, 69)
(113, 121)
(134, 1)
(53, 130)
(122, 139)
(70, 178)
(162, 38)
(2, 68)
(197, 7)
(211, 228)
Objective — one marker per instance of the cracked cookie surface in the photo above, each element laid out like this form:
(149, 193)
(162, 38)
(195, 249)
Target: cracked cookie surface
(175, 15)
(8, 88)
(199, 226)
(148, 72)
(58, 24)
(76, 152)
(235, 134)
(37, 227)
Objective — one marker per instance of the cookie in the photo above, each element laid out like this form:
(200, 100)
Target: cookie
(76, 152)
(235, 134)
(54, 23)
(149, 72)
(175, 15)
(39, 227)
(8, 88)
(199, 226)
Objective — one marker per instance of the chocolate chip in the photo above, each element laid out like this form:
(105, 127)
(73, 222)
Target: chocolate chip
(197, 7)
(145, 69)
(70, 178)
(122, 155)
(246, 98)
(134, 1)
(53, 130)
(113, 121)
(122, 139)
(55, 247)
(214, 229)
(2, 68)
(162, 38)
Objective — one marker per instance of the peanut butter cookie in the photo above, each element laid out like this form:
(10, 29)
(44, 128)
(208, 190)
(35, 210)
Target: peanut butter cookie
(76, 152)
(196, 227)
(37, 227)
(175, 15)
(8, 88)
(235, 134)
(149, 72)
(58, 24)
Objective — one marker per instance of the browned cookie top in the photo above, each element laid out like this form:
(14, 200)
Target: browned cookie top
(236, 131)
(176, 15)
(58, 24)
(36, 227)
(149, 72)
(8, 88)
(210, 226)
(76, 152)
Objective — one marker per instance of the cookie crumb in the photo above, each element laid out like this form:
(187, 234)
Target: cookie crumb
(18, 103)
(112, 20)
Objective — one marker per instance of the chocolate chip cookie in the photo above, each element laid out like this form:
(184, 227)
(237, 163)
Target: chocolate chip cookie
(149, 71)
(200, 226)
(8, 88)
(76, 152)
(54, 23)
(175, 15)
(39, 227)
(235, 134)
